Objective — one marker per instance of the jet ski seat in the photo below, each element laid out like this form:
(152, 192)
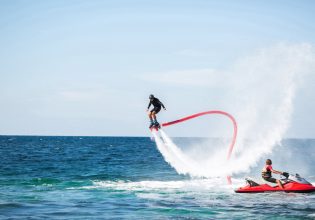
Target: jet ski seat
(251, 182)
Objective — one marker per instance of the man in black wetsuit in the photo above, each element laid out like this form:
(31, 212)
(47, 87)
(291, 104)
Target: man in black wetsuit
(157, 104)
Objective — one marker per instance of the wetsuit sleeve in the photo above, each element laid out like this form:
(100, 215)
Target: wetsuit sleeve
(149, 105)
(161, 104)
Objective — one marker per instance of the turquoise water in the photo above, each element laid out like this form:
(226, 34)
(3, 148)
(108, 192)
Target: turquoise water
(127, 178)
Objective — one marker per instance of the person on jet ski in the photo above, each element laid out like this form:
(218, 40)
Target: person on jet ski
(157, 104)
(266, 173)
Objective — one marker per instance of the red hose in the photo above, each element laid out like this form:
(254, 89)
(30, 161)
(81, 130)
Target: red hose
(212, 112)
(206, 113)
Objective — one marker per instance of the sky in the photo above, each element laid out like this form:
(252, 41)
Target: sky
(88, 67)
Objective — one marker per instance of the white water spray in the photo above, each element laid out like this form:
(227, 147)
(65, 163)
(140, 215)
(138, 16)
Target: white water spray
(261, 92)
(184, 163)
(269, 82)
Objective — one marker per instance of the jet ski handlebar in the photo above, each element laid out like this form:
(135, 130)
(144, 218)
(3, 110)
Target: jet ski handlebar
(285, 174)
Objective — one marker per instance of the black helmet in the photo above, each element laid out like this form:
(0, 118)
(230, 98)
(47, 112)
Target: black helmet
(151, 96)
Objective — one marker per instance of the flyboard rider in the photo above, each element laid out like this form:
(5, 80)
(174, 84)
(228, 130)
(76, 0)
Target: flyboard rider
(157, 104)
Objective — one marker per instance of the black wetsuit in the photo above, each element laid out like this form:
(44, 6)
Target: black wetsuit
(157, 104)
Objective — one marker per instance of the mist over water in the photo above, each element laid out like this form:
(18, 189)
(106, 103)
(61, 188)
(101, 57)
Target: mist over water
(261, 91)
(266, 94)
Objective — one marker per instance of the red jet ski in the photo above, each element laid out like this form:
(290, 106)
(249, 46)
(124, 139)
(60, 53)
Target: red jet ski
(292, 183)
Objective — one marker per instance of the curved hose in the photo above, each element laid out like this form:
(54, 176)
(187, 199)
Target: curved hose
(208, 113)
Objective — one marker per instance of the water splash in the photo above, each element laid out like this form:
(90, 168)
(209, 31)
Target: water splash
(172, 154)
(186, 163)
(270, 79)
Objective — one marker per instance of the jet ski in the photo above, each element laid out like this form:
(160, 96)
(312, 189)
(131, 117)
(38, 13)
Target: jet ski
(291, 183)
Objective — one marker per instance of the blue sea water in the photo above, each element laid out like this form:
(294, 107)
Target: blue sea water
(127, 178)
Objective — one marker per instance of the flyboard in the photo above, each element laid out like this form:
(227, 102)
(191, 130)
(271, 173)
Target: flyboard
(155, 127)
(213, 112)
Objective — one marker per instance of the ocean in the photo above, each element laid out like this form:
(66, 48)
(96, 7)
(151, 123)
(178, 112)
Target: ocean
(128, 178)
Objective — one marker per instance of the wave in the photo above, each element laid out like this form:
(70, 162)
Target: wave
(215, 184)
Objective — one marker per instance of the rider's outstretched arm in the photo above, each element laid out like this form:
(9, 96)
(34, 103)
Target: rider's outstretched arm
(276, 171)
(162, 105)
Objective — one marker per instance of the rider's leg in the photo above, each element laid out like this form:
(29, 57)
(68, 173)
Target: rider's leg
(151, 119)
(153, 114)
(280, 184)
